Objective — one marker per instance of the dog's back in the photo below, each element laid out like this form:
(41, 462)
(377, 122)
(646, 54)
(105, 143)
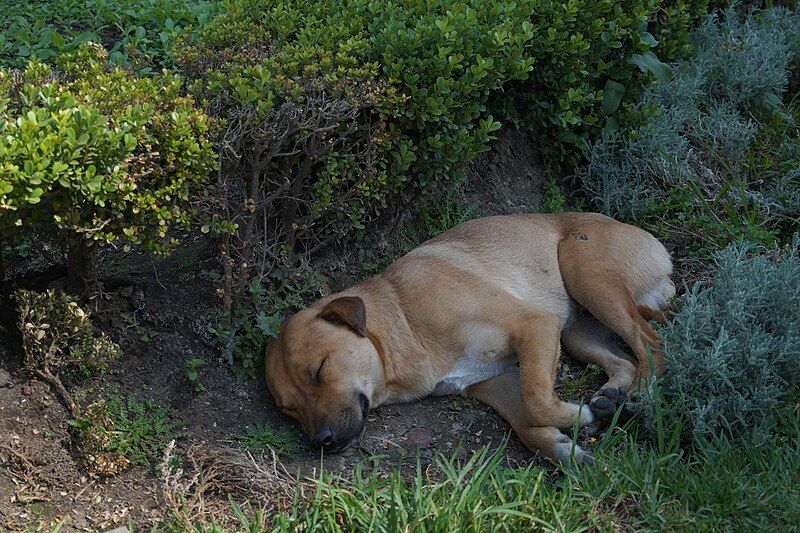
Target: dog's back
(531, 256)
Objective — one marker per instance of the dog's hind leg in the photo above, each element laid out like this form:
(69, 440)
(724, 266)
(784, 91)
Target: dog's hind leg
(612, 304)
(503, 394)
(612, 270)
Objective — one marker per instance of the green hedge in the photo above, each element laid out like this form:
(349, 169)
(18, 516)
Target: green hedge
(136, 32)
(419, 74)
(568, 67)
(402, 91)
(94, 155)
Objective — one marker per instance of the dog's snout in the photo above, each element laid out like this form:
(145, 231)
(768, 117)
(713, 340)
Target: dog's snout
(323, 437)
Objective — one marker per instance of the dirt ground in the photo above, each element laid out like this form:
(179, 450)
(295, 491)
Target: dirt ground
(160, 311)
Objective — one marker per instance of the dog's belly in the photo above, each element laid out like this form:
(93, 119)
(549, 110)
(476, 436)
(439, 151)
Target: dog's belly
(469, 371)
(486, 353)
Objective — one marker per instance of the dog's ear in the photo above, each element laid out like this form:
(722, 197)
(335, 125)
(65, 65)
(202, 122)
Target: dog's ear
(348, 310)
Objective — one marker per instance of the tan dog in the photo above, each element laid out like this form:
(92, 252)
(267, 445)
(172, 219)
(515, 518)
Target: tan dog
(456, 315)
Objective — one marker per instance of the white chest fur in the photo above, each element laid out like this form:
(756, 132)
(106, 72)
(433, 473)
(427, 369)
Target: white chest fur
(486, 354)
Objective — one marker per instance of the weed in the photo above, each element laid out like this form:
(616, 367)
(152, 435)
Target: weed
(553, 198)
(91, 356)
(573, 388)
(141, 332)
(265, 438)
(432, 219)
(143, 428)
(371, 262)
(444, 215)
(193, 367)
(116, 432)
(186, 262)
(92, 432)
(243, 332)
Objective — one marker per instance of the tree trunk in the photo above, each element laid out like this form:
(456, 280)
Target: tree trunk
(227, 267)
(81, 262)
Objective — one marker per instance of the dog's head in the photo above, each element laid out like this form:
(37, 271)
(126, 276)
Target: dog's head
(322, 370)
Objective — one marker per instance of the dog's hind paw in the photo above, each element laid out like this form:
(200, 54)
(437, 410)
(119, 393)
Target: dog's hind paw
(605, 403)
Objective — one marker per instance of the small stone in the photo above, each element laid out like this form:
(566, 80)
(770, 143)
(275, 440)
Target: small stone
(420, 436)
(121, 529)
(458, 427)
(5, 379)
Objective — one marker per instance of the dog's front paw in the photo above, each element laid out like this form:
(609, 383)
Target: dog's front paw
(569, 453)
(583, 457)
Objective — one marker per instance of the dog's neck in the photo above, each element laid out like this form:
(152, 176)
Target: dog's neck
(406, 361)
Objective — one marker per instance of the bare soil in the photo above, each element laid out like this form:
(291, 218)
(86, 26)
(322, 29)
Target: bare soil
(160, 312)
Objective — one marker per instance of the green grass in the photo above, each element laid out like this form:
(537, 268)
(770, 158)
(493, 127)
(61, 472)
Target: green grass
(635, 486)
(266, 438)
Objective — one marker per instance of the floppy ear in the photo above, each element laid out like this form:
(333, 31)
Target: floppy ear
(348, 310)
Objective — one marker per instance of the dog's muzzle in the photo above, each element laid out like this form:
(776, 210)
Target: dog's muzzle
(333, 441)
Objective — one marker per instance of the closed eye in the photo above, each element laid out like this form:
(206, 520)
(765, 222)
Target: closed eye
(319, 371)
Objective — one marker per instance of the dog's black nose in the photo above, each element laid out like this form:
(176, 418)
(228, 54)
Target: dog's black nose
(323, 438)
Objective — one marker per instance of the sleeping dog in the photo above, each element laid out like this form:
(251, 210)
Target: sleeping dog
(482, 310)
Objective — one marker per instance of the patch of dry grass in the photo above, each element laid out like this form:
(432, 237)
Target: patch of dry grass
(199, 494)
